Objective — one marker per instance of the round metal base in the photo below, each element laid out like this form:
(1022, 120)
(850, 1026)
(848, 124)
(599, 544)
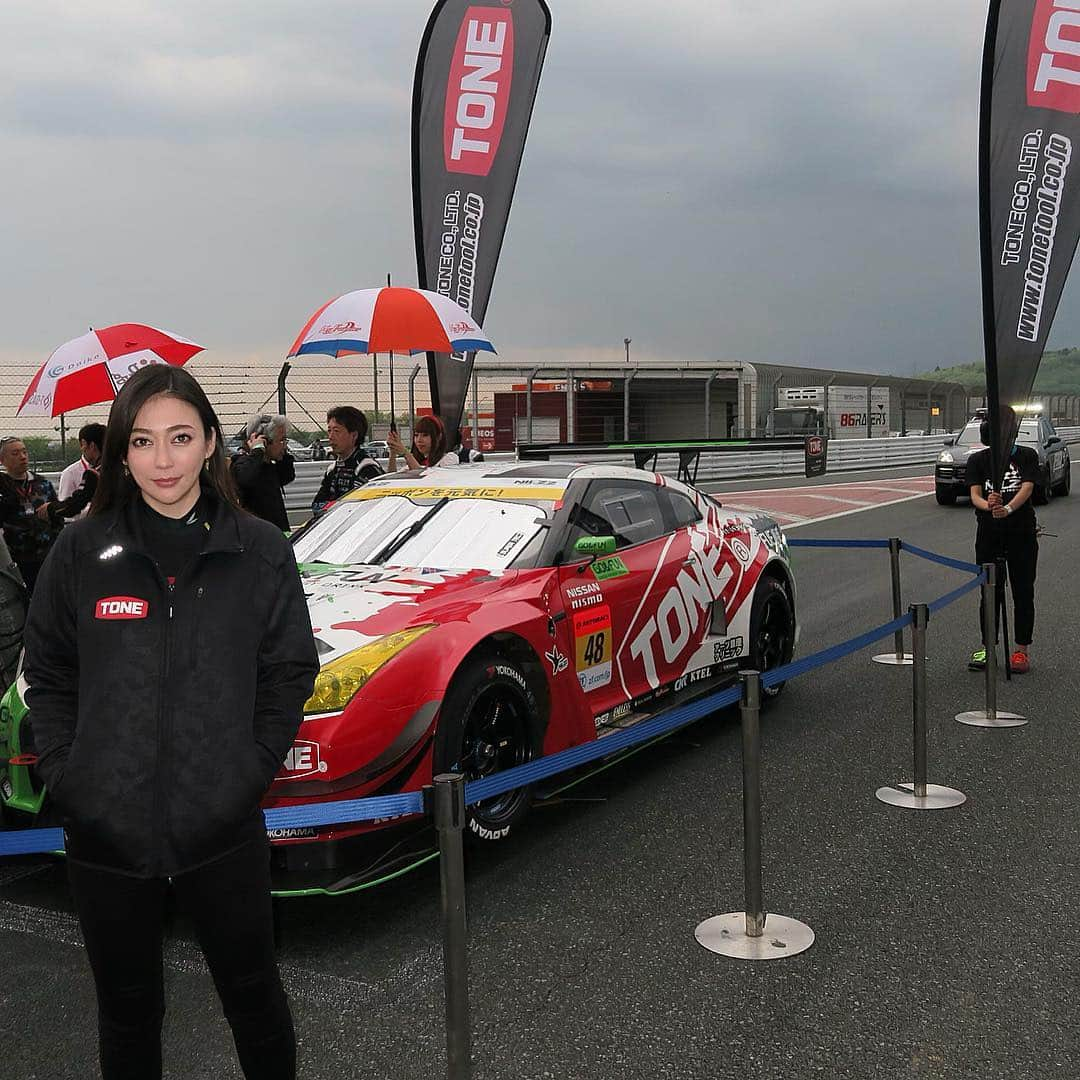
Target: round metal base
(981, 718)
(936, 797)
(904, 660)
(726, 935)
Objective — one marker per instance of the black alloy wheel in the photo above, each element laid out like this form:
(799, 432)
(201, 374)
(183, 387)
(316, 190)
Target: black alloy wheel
(772, 630)
(489, 722)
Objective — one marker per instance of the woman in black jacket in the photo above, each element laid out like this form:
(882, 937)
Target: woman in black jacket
(169, 655)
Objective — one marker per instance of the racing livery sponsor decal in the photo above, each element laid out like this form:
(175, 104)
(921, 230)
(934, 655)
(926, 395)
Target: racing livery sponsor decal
(380, 491)
(592, 646)
(509, 673)
(611, 567)
(729, 649)
(582, 596)
(303, 759)
(558, 662)
(724, 562)
(121, 607)
(303, 832)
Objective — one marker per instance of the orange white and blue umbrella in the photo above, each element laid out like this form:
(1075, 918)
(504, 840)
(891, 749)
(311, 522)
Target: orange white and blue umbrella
(391, 319)
(91, 369)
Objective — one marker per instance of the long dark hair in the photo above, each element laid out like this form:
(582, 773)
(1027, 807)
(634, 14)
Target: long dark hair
(116, 488)
(430, 425)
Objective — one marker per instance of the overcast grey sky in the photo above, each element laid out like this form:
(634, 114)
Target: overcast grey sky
(716, 179)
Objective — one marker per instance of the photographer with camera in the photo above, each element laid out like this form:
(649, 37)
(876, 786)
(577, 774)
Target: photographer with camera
(263, 467)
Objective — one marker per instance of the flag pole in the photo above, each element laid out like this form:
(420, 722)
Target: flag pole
(393, 422)
(997, 464)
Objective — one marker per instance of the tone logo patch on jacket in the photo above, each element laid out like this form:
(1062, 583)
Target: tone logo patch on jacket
(121, 607)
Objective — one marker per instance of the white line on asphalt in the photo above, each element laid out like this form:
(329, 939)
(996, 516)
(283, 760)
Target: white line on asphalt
(858, 510)
(9, 874)
(301, 984)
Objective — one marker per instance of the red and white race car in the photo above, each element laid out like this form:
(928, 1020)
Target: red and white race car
(472, 618)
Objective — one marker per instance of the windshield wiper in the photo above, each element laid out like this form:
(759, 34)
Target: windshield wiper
(407, 534)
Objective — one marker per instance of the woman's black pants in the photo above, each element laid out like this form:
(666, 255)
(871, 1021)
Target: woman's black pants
(123, 923)
(1020, 552)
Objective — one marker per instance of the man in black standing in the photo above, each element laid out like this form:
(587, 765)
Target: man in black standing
(347, 430)
(1006, 534)
(263, 468)
(28, 510)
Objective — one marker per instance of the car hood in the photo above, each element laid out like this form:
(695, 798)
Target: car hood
(353, 606)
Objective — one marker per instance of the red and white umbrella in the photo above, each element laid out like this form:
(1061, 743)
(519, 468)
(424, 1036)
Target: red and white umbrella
(390, 320)
(90, 369)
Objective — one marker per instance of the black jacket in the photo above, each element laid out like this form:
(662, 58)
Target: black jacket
(260, 480)
(343, 476)
(161, 713)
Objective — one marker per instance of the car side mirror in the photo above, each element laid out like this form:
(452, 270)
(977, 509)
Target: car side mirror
(1054, 440)
(949, 441)
(596, 547)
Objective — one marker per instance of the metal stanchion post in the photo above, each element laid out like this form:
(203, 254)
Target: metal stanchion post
(920, 795)
(751, 934)
(991, 716)
(898, 657)
(449, 821)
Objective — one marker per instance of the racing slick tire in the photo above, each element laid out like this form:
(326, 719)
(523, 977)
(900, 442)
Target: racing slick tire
(772, 631)
(945, 496)
(1065, 486)
(489, 721)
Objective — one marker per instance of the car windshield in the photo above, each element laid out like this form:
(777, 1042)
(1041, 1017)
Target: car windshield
(465, 533)
(1029, 433)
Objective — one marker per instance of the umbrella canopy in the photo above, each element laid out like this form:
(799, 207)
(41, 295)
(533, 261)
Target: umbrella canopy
(90, 369)
(390, 320)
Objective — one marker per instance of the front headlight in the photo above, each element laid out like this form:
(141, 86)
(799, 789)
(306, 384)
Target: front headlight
(945, 457)
(339, 680)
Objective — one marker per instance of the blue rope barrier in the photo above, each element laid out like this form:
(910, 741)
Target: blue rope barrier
(31, 841)
(42, 840)
(801, 542)
(834, 652)
(337, 813)
(547, 766)
(944, 560)
(948, 598)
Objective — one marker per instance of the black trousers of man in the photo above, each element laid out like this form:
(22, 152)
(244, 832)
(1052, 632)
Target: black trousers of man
(1019, 549)
(123, 923)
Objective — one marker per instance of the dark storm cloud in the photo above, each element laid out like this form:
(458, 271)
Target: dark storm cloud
(730, 180)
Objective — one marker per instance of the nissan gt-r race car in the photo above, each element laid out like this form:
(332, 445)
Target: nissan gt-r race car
(475, 617)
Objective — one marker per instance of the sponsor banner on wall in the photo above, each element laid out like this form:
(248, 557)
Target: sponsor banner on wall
(476, 79)
(1029, 179)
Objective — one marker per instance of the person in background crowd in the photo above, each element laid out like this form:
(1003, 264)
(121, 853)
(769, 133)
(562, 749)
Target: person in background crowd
(1005, 533)
(347, 430)
(91, 440)
(263, 468)
(466, 455)
(428, 446)
(27, 510)
(318, 451)
(169, 653)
